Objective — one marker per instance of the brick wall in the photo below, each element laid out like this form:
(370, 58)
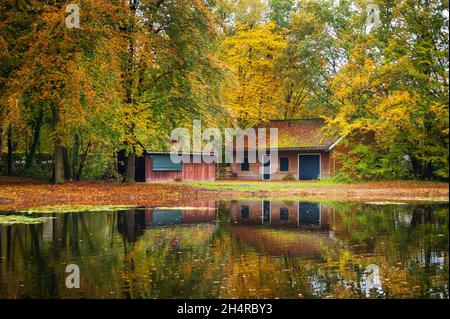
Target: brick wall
(255, 171)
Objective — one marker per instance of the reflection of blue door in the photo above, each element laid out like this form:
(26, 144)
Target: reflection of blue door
(309, 214)
(309, 167)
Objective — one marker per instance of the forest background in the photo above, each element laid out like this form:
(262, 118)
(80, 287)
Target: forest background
(72, 98)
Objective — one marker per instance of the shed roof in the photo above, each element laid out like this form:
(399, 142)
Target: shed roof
(302, 134)
(294, 134)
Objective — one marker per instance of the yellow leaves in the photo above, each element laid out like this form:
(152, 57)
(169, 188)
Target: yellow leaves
(251, 94)
(257, 46)
(396, 106)
(441, 111)
(369, 100)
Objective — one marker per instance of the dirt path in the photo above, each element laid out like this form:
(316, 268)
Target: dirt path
(26, 193)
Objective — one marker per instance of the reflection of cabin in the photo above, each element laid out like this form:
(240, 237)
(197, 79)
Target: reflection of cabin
(282, 214)
(287, 242)
(132, 224)
(159, 167)
(174, 216)
(283, 227)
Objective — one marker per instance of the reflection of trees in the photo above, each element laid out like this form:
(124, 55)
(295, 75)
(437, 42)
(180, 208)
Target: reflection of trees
(41, 266)
(117, 258)
(402, 250)
(421, 215)
(131, 224)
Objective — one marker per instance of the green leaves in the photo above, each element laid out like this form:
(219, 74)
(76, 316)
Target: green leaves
(390, 87)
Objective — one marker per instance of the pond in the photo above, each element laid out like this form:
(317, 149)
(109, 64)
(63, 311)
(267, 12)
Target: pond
(232, 249)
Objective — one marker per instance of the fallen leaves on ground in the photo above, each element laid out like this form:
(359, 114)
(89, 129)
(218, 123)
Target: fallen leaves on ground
(22, 193)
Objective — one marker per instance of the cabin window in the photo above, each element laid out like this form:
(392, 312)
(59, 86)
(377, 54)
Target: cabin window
(245, 212)
(284, 214)
(284, 164)
(163, 163)
(245, 167)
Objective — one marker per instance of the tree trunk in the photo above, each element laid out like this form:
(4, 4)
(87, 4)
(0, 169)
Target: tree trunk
(36, 139)
(421, 170)
(131, 168)
(66, 164)
(75, 155)
(129, 75)
(10, 155)
(82, 161)
(416, 167)
(58, 157)
(58, 152)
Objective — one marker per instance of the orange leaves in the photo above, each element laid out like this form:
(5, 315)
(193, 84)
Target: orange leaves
(18, 193)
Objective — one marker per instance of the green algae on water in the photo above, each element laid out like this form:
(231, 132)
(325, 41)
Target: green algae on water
(75, 209)
(20, 219)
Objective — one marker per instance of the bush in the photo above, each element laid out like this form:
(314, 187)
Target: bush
(363, 162)
(288, 177)
(41, 167)
(111, 175)
(39, 171)
(96, 166)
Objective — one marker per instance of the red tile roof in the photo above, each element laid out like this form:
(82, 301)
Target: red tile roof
(302, 134)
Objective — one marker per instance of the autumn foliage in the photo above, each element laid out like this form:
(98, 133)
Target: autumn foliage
(136, 69)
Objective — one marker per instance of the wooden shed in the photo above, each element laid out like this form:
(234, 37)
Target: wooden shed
(159, 167)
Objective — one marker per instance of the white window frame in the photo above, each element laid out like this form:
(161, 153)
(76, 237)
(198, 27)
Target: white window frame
(269, 167)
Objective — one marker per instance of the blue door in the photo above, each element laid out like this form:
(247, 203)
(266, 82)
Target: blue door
(309, 167)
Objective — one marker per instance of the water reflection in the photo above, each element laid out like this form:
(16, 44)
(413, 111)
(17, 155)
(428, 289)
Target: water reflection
(280, 214)
(255, 249)
(133, 223)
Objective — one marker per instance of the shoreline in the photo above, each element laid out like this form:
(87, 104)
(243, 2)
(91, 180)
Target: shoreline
(23, 193)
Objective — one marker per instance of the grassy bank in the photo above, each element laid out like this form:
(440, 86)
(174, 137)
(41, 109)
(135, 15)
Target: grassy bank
(292, 186)
(20, 193)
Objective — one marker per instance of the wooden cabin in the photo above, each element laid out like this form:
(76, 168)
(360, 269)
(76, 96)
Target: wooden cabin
(158, 167)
